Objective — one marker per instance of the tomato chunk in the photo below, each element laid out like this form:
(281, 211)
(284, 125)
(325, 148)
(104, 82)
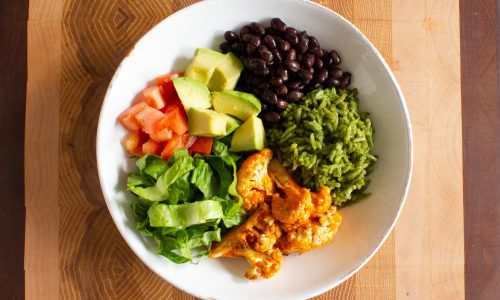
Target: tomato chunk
(173, 120)
(127, 117)
(150, 147)
(166, 84)
(153, 97)
(162, 135)
(147, 117)
(133, 143)
(202, 145)
(176, 142)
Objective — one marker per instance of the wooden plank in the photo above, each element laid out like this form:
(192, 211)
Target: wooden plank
(480, 48)
(42, 142)
(13, 93)
(429, 234)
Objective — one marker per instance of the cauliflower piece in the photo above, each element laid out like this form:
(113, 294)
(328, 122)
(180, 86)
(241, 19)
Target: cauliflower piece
(296, 206)
(322, 200)
(254, 184)
(316, 233)
(254, 240)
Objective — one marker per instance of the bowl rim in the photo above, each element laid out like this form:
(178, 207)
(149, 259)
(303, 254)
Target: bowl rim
(403, 106)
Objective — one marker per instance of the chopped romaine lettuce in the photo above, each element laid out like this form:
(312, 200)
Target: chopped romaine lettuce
(187, 203)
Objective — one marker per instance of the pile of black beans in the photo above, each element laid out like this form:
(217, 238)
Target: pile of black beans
(282, 64)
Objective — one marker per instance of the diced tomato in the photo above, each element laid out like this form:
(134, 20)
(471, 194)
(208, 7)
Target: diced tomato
(176, 142)
(162, 135)
(153, 97)
(173, 120)
(127, 117)
(203, 145)
(190, 141)
(150, 147)
(166, 84)
(133, 143)
(147, 117)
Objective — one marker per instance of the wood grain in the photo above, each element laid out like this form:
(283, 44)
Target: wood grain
(480, 47)
(42, 145)
(12, 95)
(75, 47)
(429, 235)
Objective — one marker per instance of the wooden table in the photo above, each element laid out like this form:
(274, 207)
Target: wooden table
(444, 53)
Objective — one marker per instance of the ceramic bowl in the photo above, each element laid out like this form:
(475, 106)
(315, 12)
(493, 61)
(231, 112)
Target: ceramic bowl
(170, 46)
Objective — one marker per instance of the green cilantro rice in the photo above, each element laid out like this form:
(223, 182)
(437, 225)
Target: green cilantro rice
(324, 140)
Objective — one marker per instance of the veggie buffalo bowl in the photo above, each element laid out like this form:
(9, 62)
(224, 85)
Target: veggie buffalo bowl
(352, 133)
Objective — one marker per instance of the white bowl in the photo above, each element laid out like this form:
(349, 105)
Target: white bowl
(169, 46)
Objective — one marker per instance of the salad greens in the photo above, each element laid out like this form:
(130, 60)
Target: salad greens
(185, 203)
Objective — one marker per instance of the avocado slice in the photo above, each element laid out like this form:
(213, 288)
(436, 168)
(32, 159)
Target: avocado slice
(206, 122)
(250, 136)
(226, 74)
(232, 124)
(203, 64)
(238, 104)
(192, 93)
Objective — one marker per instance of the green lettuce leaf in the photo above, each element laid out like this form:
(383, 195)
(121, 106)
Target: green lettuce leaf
(160, 191)
(184, 215)
(203, 178)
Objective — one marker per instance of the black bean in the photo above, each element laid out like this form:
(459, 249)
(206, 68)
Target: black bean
(231, 36)
(293, 84)
(300, 56)
(281, 105)
(269, 96)
(336, 73)
(252, 39)
(278, 25)
(302, 47)
(291, 54)
(256, 41)
(318, 52)
(283, 74)
(321, 75)
(284, 45)
(257, 64)
(345, 81)
(292, 65)
(225, 47)
(272, 117)
(313, 42)
(318, 63)
(270, 41)
(277, 56)
(311, 87)
(335, 57)
(294, 95)
(291, 30)
(281, 90)
(308, 61)
(276, 81)
(238, 47)
(305, 74)
(264, 107)
(245, 29)
(327, 61)
(331, 82)
(250, 49)
(292, 38)
(257, 28)
(267, 56)
(302, 34)
(271, 31)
